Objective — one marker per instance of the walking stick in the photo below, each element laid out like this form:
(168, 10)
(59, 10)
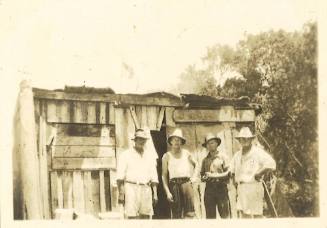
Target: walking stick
(269, 198)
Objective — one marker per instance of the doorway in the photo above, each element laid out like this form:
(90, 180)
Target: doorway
(161, 210)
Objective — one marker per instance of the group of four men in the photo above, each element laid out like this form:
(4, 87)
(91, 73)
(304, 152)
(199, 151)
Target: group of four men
(137, 177)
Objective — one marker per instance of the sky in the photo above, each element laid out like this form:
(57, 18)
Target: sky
(55, 43)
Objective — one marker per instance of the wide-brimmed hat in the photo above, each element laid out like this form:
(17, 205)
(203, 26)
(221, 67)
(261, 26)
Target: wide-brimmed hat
(140, 133)
(177, 133)
(245, 132)
(209, 137)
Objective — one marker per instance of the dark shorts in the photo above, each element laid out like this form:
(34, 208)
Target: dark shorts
(183, 195)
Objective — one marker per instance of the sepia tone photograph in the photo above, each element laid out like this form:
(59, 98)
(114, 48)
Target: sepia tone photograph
(160, 110)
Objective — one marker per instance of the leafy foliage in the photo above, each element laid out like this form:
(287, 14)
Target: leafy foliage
(279, 71)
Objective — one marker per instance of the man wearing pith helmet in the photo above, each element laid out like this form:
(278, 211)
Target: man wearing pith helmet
(177, 176)
(214, 171)
(248, 165)
(137, 179)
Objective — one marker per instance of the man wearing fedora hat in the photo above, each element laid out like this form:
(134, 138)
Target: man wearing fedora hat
(137, 179)
(214, 171)
(248, 165)
(177, 177)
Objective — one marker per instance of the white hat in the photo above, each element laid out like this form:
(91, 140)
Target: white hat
(245, 132)
(177, 133)
(140, 133)
(209, 137)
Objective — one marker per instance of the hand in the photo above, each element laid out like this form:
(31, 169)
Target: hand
(208, 174)
(121, 199)
(170, 197)
(155, 199)
(257, 177)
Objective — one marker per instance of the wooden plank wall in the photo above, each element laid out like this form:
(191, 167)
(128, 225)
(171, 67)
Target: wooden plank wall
(85, 191)
(83, 112)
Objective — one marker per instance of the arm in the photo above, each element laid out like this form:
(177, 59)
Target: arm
(154, 182)
(196, 167)
(267, 163)
(121, 171)
(165, 177)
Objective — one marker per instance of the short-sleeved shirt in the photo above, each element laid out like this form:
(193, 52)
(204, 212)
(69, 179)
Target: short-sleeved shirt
(134, 167)
(217, 163)
(245, 167)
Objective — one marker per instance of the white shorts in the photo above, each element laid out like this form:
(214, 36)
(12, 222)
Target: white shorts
(250, 198)
(138, 200)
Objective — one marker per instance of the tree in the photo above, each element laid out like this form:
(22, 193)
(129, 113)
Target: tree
(279, 71)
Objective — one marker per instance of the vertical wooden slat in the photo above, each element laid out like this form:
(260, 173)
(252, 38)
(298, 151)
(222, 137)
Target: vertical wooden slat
(60, 191)
(95, 186)
(54, 192)
(102, 113)
(78, 115)
(138, 111)
(78, 191)
(91, 113)
(160, 118)
(107, 189)
(111, 113)
(88, 192)
(152, 116)
(144, 118)
(169, 117)
(113, 191)
(102, 192)
(64, 114)
(51, 111)
(84, 109)
(43, 163)
(67, 187)
(107, 113)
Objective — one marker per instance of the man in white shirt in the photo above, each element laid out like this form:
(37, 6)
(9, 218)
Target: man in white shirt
(247, 167)
(137, 179)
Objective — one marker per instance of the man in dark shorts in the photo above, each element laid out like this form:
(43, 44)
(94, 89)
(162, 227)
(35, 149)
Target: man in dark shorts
(214, 172)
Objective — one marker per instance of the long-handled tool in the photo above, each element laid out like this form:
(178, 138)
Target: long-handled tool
(269, 198)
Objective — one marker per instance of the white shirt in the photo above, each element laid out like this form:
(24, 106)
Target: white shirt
(134, 167)
(245, 167)
(179, 167)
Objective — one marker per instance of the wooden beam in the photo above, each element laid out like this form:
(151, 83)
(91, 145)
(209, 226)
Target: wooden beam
(134, 99)
(83, 151)
(225, 114)
(160, 118)
(135, 120)
(84, 163)
(84, 141)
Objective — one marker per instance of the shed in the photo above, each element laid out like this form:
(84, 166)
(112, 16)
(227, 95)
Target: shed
(81, 131)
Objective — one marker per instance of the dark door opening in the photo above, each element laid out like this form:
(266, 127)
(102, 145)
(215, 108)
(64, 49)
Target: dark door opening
(161, 210)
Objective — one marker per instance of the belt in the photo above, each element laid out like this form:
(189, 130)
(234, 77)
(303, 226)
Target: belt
(138, 183)
(179, 180)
